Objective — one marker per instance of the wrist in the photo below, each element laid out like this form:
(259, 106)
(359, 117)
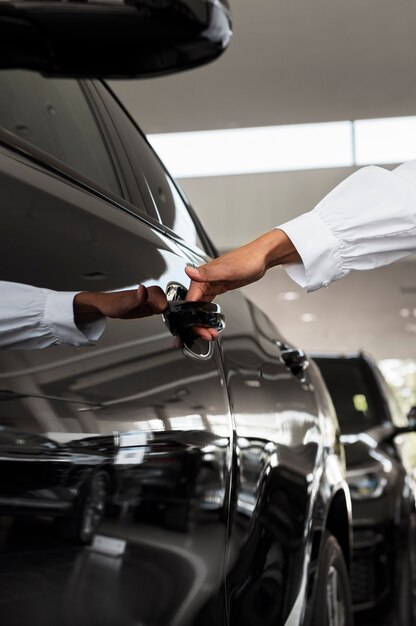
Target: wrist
(86, 307)
(277, 249)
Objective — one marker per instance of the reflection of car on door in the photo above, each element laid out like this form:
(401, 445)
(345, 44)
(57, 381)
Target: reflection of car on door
(379, 475)
(69, 482)
(170, 479)
(235, 445)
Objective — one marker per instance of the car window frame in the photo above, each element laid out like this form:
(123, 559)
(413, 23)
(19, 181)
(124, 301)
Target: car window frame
(47, 162)
(118, 171)
(31, 150)
(139, 203)
(22, 150)
(139, 189)
(105, 92)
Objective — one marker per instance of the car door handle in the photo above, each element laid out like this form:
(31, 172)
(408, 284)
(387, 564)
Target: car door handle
(181, 316)
(296, 360)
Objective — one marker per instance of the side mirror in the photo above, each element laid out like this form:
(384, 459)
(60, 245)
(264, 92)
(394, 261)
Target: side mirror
(397, 430)
(112, 38)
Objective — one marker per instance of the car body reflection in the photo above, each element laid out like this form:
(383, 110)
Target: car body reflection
(163, 478)
(70, 482)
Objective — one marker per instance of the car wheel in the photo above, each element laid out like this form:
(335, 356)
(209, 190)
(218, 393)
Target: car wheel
(82, 525)
(332, 603)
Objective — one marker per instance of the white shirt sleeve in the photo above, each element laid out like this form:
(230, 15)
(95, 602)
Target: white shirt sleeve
(31, 317)
(367, 221)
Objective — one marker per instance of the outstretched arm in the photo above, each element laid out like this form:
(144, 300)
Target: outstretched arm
(33, 317)
(130, 304)
(241, 267)
(367, 221)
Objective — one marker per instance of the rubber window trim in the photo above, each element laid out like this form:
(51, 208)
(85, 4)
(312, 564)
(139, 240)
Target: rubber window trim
(209, 248)
(55, 166)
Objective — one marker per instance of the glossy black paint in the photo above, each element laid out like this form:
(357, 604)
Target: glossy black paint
(226, 471)
(46, 478)
(379, 474)
(112, 39)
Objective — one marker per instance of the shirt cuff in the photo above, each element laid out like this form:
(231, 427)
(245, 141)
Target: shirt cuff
(322, 263)
(59, 319)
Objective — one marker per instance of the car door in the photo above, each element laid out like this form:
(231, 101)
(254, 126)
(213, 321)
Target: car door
(158, 557)
(278, 469)
(278, 451)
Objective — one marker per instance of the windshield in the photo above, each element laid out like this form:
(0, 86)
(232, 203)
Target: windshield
(354, 392)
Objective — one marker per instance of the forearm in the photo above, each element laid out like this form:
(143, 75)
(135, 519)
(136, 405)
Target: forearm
(38, 318)
(32, 317)
(240, 267)
(276, 249)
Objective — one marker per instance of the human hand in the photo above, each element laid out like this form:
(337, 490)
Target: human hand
(129, 304)
(229, 271)
(238, 268)
(241, 266)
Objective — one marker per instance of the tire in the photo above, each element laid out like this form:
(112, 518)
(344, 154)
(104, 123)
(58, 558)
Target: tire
(332, 604)
(88, 512)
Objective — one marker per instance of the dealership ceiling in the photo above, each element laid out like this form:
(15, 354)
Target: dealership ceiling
(293, 62)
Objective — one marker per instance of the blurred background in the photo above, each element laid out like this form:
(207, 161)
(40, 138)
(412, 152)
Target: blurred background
(331, 85)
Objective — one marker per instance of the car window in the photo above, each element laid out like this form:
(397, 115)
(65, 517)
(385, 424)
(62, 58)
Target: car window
(397, 415)
(354, 393)
(171, 208)
(170, 205)
(54, 115)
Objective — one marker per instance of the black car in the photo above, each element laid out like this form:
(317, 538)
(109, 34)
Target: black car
(230, 505)
(380, 475)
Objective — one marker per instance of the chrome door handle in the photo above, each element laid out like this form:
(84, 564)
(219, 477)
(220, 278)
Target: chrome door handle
(181, 316)
(175, 291)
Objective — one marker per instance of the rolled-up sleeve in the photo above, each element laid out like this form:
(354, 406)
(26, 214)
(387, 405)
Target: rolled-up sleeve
(32, 317)
(367, 221)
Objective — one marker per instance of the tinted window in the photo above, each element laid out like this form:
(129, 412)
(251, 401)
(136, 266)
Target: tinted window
(354, 393)
(170, 206)
(54, 115)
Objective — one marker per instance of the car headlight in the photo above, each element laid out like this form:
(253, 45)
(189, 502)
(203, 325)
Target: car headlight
(366, 486)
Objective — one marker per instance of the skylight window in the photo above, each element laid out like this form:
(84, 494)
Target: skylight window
(287, 148)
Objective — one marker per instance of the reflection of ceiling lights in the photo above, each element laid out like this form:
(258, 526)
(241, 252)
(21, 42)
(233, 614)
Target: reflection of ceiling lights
(289, 296)
(308, 317)
(181, 393)
(407, 312)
